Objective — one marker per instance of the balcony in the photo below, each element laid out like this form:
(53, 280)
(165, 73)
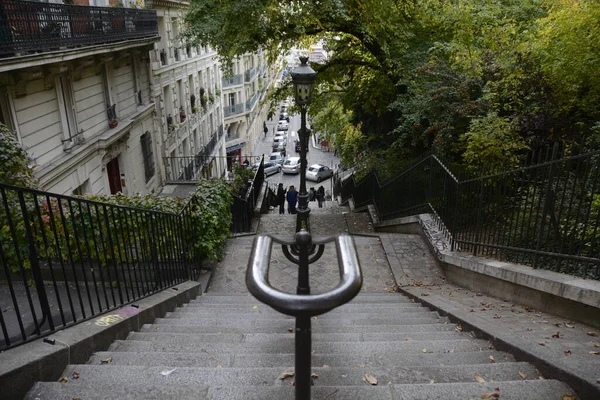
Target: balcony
(27, 27)
(234, 80)
(233, 109)
(250, 74)
(250, 103)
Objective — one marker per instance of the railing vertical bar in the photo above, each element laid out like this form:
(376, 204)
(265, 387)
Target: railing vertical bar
(132, 245)
(578, 208)
(145, 244)
(111, 246)
(173, 247)
(176, 248)
(587, 216)
(124, 266)
(166, 254)
(8, 273)
(570, 207)
(59, 254)
(157, 252)
(81, 258)
(48, 258)
(93, 233)
(90, 256)
(65, 229)
(103, 242)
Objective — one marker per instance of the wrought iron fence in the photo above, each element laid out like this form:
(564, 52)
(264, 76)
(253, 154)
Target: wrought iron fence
(546, 214)
(27, 26)
(66, 259)
(242, 209)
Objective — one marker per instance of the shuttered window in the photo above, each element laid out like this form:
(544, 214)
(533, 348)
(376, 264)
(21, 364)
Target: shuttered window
(148, 155)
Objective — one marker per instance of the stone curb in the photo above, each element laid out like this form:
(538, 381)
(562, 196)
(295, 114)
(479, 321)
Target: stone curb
(36, 361)
(551, 367)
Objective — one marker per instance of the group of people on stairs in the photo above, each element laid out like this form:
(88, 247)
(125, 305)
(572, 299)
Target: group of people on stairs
(291, 196)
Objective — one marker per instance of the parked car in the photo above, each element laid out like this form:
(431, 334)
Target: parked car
(282, 134)
(284, 116)
(283, 125)
(276, 158)
(270, 168)
(318, 172)
(280, 139)
(291, 166)
(297, 146)
(278, 147)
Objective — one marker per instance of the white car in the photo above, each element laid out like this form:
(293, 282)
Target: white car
(283, 125)
(318, 172)
(291, 166)
(270, 168)
(280, 139)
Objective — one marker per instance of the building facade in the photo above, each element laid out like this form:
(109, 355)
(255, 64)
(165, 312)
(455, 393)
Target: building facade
(244, 89)
(187, 89)
(76, 90)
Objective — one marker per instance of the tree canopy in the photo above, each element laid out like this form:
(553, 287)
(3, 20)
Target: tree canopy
(405, 76)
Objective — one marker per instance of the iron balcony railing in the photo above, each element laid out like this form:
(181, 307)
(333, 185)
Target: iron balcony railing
(252, 102)
(546, 214)
(250, 74)
(27, 27)
(64, 260)
(244, 203)
(234, 80)
(233, 109)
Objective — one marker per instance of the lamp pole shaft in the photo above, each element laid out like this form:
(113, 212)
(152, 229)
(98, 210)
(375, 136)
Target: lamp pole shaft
(302, 220)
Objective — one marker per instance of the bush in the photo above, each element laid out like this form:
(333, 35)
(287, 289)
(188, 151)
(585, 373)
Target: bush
(14, 161)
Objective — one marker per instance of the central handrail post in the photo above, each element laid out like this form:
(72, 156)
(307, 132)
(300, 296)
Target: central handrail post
(303, 339)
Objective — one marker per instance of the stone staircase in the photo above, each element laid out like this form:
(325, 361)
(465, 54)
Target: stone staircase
(222, 346)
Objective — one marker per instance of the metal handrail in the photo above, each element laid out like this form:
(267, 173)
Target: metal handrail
(304, 305)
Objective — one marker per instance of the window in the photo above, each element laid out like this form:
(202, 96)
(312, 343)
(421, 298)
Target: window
(148, 154)
(67, 110)
(82, 189)
(231, 99)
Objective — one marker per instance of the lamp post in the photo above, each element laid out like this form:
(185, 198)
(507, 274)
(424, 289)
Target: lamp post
(303, 78)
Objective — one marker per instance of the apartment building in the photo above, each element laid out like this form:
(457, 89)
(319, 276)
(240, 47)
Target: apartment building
(244, 89)
(187, 92)
(76, 90)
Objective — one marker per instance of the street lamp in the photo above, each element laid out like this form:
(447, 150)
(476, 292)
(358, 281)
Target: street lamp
(303, 78)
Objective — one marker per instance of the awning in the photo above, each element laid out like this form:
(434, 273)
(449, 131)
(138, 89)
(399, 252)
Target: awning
(234, 147)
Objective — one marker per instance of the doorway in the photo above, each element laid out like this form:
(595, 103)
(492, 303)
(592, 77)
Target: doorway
(114, 176)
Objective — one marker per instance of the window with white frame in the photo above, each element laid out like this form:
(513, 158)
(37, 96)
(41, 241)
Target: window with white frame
(148, 155)
(68, 117)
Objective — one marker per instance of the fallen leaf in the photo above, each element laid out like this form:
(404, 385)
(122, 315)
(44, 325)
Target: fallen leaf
(314, 318)
(479, 379)
(596, 345)
(219, 366)
(594, 353)
(491, 395)
(472, 310)
(492, 359)
(569, 325)
(597, 380)
(522, 375)
(556, 335)
(167, 372)
(290, 329)
(106, 360)
(286, 374)
(332, 393)
(63, 379)
(370, 379)
(568, 397)
(424, 294)
(255, 307)
(431, 382)
(313, 375)
(75, 375)
(458, 328)
(496, 316)
(529, 329)
(293, 383)
(541, 343)
(478, 294)
(568, 352)
(424, 350)
(592, 334)
(557, 324)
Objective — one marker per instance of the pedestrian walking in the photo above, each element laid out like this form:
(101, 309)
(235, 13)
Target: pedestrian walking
(292, 199)
(321, 196)
(281, 198)
(312, 194)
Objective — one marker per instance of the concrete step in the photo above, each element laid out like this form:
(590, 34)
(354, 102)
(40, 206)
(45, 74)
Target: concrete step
(284, 323)
(272, 315)
(328, 376)
(513, 390)
(348, 308)
(286, 345)
(362, 297)
(357, 359)
(416, 332)
(229, 337)
(266, 310)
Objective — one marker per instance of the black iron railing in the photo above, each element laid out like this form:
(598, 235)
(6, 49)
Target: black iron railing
(303, 251)
(40, 27)
(64, 260)
(244, 203)
(546, 214)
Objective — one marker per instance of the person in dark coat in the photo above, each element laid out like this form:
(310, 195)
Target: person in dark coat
(292, 199)
(321, 196)
(281, 198)
(312, 194)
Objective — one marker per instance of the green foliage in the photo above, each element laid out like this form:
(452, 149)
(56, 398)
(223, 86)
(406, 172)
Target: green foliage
(492, 143)
(14, 161)
(241, 176)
